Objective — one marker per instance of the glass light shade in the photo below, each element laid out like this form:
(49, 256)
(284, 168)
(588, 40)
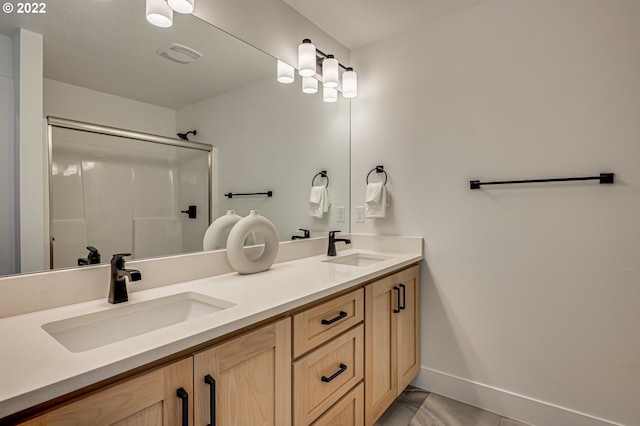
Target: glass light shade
(330, 72)
(307, 58)
(286, 73)
(329, 94)
(181, 6)
(349, 83)
(159, 13)
(309, 85)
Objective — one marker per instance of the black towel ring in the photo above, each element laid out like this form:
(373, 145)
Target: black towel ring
(378, 169)
(323, 174)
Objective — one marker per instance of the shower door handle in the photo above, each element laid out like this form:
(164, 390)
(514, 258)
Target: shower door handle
(191, 211)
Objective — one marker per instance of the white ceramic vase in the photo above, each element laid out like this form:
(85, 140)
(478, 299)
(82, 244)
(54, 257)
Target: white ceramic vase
(213, 237)
(237, 255)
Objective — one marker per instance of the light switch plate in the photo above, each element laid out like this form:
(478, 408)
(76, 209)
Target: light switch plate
(360, 214)
(340, 212)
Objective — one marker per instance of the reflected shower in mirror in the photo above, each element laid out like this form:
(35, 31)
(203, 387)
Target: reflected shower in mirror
(102, 65)
(127, 195)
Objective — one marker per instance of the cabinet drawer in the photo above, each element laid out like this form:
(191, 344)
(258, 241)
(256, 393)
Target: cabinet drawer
(349, 411)
(323, 322)
(323, 376)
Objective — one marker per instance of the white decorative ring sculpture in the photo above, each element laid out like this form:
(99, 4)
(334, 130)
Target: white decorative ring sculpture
(235, 248)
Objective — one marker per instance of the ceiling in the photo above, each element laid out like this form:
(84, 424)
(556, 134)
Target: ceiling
(110, 47)
(356, 23)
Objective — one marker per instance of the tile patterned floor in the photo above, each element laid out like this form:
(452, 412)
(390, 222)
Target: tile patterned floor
(416, 407)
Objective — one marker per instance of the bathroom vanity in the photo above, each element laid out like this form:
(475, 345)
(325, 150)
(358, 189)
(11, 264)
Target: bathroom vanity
(316, 340)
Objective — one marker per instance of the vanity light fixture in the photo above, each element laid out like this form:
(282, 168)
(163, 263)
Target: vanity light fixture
(309, 57)
(181, 6)
(330, 72)
(159, 13)
(286, 73)
(309, 85)
(349, 83)
(329, 94)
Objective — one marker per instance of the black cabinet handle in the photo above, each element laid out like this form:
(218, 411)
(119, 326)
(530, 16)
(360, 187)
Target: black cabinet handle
(332, 320)
(404, 296)
(397, 289)
(184, 396)
(212, 405)
(326, 379)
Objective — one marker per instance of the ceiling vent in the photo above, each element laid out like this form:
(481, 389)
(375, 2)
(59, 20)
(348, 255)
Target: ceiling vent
(179, 53)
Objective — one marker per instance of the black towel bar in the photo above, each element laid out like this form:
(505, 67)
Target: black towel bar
(604, 178)
(232, 194)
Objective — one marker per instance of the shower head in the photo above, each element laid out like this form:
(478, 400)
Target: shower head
(184, 136)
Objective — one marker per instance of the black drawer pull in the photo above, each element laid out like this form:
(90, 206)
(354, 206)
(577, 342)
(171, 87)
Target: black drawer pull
(326, 379)
(212, 396)
(404, 296)
(397, 289)
(184, 396)
(341, 315)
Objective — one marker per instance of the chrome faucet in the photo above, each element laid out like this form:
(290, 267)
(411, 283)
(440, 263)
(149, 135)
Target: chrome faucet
(118, 286)
(332, 242)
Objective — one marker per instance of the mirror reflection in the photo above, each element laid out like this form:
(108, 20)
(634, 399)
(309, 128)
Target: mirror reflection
(104, 64)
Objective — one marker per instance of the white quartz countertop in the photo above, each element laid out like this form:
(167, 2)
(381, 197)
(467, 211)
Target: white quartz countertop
(34, 367)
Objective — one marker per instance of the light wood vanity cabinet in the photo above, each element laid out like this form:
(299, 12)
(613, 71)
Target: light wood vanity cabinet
(339, 362)
(153, 398)
(328, 344)
(392, 348)
(248, 379)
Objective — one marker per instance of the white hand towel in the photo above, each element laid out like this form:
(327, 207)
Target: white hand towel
(326, 200)
(376, 201)
(318, 201)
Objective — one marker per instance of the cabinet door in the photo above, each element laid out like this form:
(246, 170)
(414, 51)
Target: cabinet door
(149, 399)
(381, 300)
(246, 380)
(408, 326)
(392, 339)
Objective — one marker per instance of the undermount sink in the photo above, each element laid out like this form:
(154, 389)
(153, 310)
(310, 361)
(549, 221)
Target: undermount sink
(357, 259)
(85, 332)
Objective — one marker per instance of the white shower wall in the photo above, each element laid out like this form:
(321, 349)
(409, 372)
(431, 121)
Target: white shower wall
(122, 195)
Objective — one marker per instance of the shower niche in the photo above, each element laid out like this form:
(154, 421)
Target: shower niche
(122, 191)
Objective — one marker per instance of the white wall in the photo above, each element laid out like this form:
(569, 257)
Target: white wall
(78, 103)
(30, 150)
(271, 136)
(8, 261)
(530, 293)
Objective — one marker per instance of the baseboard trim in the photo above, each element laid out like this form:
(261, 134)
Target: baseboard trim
(503, 402)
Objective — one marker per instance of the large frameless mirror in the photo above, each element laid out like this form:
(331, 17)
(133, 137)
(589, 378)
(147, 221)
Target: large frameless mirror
(104, 64)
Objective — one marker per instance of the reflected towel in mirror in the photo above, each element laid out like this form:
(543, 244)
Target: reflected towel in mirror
(319, 201)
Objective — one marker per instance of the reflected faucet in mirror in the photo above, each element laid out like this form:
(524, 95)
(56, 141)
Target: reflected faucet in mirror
(118, 286)
(93, 258)
(306, 234)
